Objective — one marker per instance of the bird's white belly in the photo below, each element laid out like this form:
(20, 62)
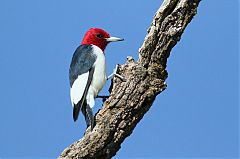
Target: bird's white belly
(99, 76)
(98, 81)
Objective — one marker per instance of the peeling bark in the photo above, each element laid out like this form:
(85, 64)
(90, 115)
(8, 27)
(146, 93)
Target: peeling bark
(129, 100)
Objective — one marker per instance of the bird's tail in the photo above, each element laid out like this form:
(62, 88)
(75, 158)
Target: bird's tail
(88, 114)
(76, 110)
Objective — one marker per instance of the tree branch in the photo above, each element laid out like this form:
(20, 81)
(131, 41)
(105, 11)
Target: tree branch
(129, 100)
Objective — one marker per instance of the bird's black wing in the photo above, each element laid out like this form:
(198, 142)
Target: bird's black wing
(80, 76)
(82, 61)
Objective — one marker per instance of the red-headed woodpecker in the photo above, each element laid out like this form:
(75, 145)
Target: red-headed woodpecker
(87, 72)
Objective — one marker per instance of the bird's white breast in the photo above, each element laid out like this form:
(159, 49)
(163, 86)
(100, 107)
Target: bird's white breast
(99, 76)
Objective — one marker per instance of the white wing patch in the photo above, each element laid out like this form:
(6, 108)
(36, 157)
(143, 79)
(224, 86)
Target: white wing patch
(78, 87)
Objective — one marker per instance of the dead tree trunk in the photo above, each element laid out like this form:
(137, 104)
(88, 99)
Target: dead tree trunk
(129, 100)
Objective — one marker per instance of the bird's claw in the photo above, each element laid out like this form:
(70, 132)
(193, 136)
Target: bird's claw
(104, 98)
(120, 77)
(116, 74)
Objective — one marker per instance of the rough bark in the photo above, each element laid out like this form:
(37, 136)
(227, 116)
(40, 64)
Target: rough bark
(129, 100)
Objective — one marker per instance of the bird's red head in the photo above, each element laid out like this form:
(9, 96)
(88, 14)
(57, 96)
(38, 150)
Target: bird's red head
(98, 37)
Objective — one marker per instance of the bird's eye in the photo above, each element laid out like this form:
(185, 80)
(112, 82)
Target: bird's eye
(99, 36)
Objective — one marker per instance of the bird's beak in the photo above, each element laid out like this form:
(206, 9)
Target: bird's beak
(114, 39)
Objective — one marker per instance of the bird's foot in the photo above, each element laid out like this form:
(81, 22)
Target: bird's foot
(116, 74)
(104, 98)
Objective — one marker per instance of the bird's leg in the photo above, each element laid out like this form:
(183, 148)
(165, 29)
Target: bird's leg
(115, 74)
(104, 98)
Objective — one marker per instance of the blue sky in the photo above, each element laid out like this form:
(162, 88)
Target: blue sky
(197, 116)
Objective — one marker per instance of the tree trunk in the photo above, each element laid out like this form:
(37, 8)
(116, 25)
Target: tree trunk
(129, 100)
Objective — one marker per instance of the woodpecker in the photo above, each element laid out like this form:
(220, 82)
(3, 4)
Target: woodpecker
(87, 72)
